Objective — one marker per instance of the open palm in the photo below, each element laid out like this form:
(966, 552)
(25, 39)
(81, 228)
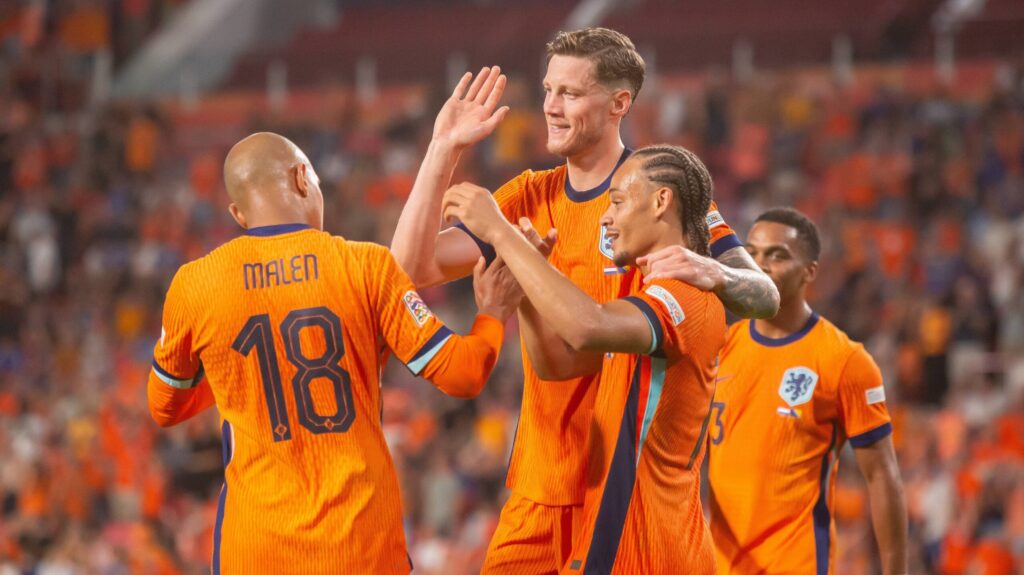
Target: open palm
(469, 115)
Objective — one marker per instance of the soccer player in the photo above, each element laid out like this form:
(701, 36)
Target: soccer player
(791, 391)
(284, 329)
(656, 350)
(592, 78)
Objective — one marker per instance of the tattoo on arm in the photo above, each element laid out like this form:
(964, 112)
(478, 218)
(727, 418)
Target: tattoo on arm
(747, 291)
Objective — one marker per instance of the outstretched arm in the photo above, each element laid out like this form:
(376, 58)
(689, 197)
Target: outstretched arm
(877, 463)
(617, 326)
(551, 357)
(428, 255)
(734, 277)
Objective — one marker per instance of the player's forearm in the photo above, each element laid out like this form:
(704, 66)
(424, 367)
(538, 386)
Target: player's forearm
(745, 290)
(551, 357)
(414, 242)
(889, 518)
(170, 406)
(573, 315)
(465, 363)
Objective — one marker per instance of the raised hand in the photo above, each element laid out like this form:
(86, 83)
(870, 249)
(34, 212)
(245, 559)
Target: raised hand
(679, 263)
(475, 208)
(471, 113)
(543, 245)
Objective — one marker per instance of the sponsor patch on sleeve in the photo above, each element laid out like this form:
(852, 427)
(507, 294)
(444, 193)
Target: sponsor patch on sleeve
(715, 219)
(674, 309)
(417, 309)
(875, 395)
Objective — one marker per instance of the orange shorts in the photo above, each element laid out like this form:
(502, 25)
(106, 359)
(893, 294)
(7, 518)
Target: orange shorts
(532, 539)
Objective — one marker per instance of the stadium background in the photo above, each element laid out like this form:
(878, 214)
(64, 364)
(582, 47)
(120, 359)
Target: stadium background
(898, 125)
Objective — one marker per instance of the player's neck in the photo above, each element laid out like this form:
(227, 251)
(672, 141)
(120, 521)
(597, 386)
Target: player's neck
(792, 317)
(271, 220)
(589, 169)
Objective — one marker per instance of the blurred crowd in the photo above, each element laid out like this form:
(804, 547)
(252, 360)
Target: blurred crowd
(918, 190)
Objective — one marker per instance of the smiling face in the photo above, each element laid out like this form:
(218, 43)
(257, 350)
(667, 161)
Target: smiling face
(578, 108)
(632, 216)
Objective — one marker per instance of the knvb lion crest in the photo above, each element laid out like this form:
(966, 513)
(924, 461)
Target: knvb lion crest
(605, 245)
(797, 385)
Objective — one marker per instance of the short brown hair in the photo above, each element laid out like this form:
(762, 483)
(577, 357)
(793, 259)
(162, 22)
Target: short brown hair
(614, 56)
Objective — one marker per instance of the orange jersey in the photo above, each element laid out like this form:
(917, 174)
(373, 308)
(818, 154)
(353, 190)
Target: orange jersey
(548, 463)
(642, 512)
(783, 409)
(286, 326)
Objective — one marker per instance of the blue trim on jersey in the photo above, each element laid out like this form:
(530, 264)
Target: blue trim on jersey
(618, 489)
(658, 365)
(429, 350)
(781, 341)
(486, 249)
(822, 515)
(587, 195)
(657, 335)
(276, 230)
(724, 244)
(226, 452)
(869, 438)
(175, 381)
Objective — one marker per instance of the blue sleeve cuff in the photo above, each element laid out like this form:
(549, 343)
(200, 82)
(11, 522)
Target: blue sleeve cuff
(179, 382)
(724, 244)
(428, 350)
(869, 438)
(657, 335)
(486, 249)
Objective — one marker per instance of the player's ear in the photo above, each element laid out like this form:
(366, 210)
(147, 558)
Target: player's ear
(622, 100)
(811, 272)
(664, 200)
(301, 179)
(236, 213)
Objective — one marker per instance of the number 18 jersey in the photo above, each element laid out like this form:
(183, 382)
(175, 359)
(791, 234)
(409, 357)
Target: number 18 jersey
(287, 325)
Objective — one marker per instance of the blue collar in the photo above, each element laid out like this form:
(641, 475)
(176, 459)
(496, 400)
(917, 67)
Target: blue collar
(587, 195)
(779, 342)
(275, 230)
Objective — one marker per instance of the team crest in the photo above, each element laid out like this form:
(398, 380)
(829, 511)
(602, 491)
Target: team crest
(797, 385)
(417, 309)
(605, 245)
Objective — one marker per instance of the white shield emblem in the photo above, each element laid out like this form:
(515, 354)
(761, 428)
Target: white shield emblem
(797, 385)
(605, 245)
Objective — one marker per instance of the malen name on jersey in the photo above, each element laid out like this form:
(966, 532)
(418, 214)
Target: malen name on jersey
(277, 272)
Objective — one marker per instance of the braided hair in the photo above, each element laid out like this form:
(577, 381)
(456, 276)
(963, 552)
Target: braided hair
(682, 171)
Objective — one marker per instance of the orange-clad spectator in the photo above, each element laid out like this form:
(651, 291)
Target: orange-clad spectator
(956, 554)
(748, 160)
(856, 182)
(86, 28)
(389, 188)
(204, 175)
(951, 434)
(990, 557)
(896, 244)
(855, 237)
(30, 167)
(934, 330)
(141, 144)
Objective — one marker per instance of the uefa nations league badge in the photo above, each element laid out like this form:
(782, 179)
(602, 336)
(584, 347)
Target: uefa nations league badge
(797, 385)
